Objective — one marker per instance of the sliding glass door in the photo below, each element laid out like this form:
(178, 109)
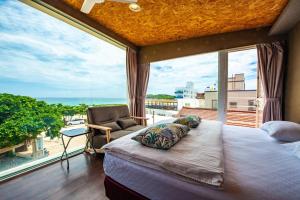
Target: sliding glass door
(244, 96)
(183, 86)
(215, 86)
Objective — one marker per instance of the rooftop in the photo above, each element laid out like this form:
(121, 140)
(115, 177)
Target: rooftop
(235, 118)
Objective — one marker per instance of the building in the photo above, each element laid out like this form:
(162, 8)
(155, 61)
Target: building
(242, 100)
(189, 102)
(238, 98)
(236, 82)
(186, 92)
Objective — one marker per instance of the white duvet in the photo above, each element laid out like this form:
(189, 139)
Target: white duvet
(197, 157)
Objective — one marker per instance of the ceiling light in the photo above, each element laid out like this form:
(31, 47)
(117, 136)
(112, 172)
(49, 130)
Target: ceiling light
(134, 7)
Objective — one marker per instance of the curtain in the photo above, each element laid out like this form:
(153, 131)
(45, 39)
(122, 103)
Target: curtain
(142, 85)
(131, 72)
(137, 83)
(271, 71)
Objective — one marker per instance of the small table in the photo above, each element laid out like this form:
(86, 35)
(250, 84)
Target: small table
(71, 133)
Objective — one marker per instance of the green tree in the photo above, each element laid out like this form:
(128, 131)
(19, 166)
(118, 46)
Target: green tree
(24, 118)
(160, 96)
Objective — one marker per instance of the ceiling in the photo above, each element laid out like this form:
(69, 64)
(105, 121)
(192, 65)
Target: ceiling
(162, 21)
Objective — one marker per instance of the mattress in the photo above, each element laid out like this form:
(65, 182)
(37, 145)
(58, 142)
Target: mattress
(204, 145)
(256, 167)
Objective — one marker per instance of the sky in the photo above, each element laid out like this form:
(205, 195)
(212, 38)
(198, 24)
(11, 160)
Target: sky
(202, 70)
(41, 56)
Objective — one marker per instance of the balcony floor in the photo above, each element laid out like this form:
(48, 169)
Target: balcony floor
(84, 181)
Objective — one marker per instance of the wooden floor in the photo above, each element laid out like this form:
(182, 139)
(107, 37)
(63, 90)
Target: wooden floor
(84, 181)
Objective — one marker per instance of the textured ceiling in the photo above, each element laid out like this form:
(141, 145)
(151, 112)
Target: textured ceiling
(167, 20)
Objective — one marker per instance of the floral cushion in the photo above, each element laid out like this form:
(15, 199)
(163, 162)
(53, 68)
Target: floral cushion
(191, 121)
(162, 136)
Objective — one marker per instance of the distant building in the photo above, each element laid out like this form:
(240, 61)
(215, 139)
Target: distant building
(187, 92)
(238, 98)
(200, 96)
(189, 102)
(211, 88)
(236, 82)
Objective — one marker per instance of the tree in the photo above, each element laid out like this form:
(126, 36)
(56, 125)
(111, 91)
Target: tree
(160, 96)
(24, 118)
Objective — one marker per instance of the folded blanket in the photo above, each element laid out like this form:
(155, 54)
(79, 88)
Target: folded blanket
(197, 157)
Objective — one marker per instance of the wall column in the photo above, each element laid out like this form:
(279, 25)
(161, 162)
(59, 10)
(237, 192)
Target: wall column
(222, 84)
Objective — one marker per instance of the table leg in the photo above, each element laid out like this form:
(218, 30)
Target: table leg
(87, 142)
(93, 144)
(65, 151)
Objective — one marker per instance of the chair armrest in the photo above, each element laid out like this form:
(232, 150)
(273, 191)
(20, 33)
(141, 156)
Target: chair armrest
(144, 119)
(139, 117)
(103, 128)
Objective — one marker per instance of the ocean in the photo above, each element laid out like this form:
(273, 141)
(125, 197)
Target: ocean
(82, 100)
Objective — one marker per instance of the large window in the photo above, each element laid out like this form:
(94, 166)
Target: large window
(189, 86)
(183, 86)
(243, 91)
(50, 73)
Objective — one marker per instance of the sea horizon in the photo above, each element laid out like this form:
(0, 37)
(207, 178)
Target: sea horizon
(73, 101)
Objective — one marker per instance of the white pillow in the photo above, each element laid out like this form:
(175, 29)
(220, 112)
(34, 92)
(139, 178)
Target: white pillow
(283, 130)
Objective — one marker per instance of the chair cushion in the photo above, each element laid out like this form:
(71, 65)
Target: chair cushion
(135, 128)
(162, 136)
(125, 123)
(102, 114)
(113, 125)
(118, 134)
(191, 121)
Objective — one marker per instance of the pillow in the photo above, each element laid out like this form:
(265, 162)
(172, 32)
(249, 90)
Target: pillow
(125, 123)
(162, 136)
(191, 121)
(113, 125)
(283, 130)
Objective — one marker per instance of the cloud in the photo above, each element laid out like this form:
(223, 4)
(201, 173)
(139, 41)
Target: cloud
(39, 50)
(197, 68)
(202, 70)
(163, 68)
(41, 56)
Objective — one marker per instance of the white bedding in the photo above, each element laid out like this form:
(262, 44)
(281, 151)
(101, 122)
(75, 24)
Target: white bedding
(197, 157)
(256, 167)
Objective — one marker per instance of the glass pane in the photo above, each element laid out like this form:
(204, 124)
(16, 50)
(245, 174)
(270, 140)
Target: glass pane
(242, 88)
(183, 86)
(50, 73)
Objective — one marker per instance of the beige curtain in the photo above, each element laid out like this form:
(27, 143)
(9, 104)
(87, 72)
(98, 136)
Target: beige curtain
(271, 71)
(142, 85)
(137, 83)
(131, 71)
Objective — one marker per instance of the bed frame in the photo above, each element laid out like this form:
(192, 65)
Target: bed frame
(116, 191)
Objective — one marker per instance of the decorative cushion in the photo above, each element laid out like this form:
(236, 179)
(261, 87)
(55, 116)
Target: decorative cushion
(113, 125)
(191, 121)
(283, 130)
(125, 123)
(162, 136)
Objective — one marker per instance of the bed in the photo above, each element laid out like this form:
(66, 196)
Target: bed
(256, 167)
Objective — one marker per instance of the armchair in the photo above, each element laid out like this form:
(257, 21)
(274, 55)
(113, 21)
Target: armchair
(104, 124)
